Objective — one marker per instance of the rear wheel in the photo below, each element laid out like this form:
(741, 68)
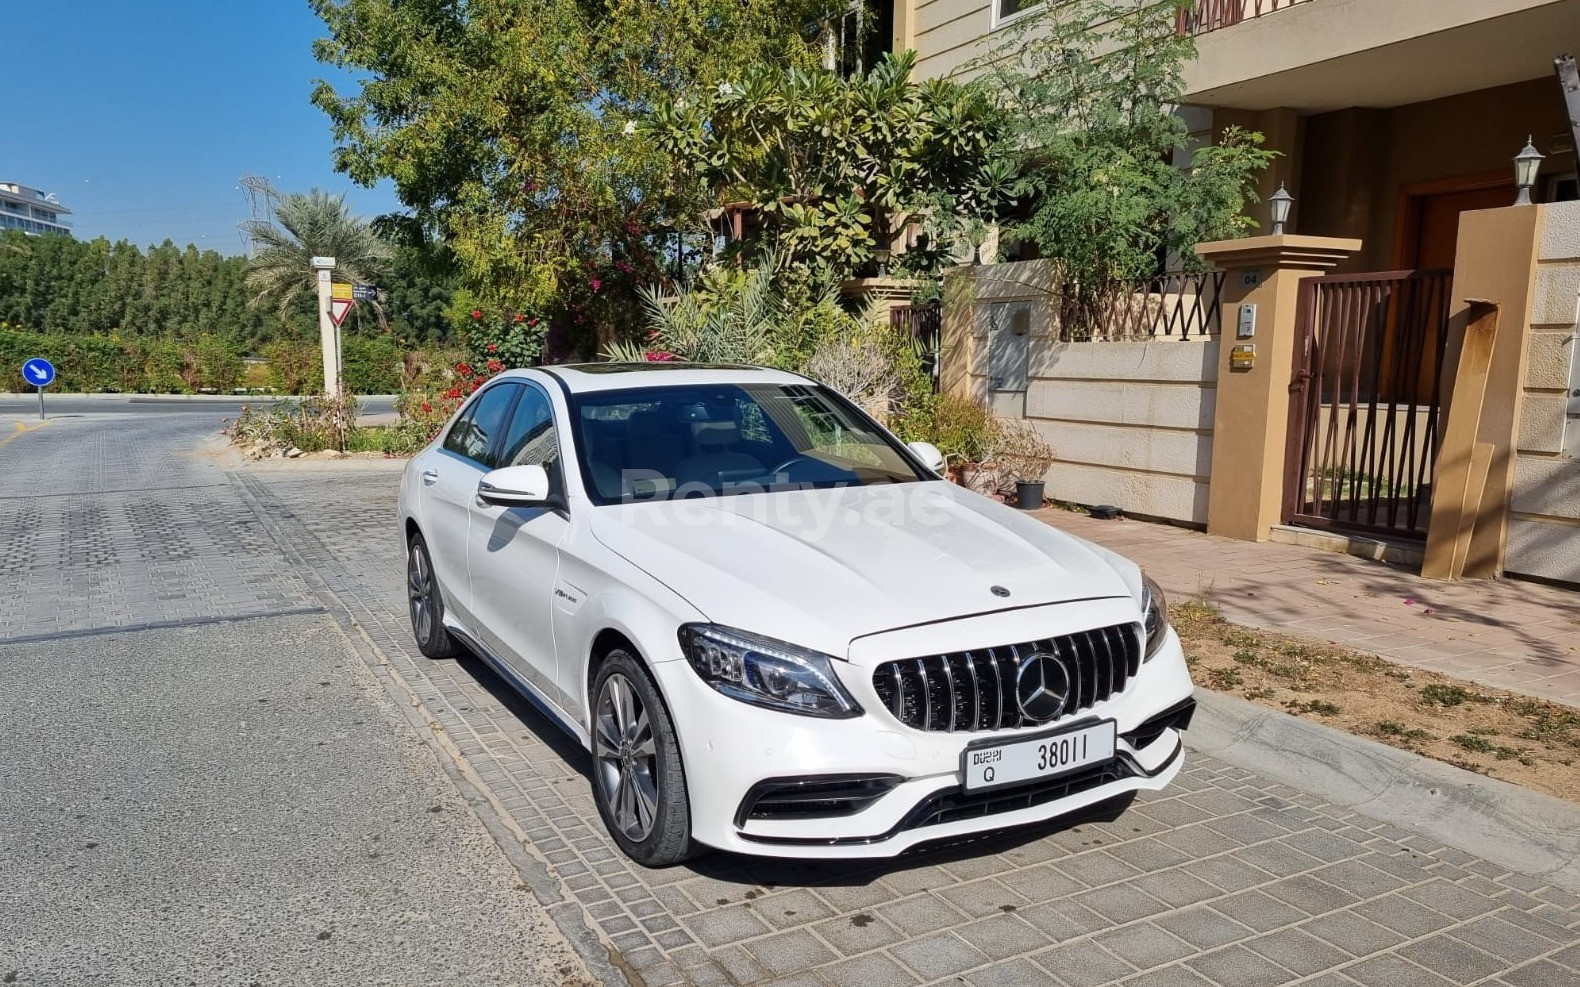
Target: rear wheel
(426, 602)
(638, 781)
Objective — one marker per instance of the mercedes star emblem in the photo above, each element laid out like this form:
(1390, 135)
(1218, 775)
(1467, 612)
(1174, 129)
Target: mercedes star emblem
(1042, 687)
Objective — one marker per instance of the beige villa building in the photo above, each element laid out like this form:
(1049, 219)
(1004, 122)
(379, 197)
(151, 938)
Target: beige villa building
(1396, 371)
(1391, 116)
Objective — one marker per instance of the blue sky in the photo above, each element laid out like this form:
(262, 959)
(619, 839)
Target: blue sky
(142, 116)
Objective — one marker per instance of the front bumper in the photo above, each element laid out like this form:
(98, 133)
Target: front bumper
(734, 752)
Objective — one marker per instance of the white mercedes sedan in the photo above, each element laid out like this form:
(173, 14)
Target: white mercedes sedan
(774, 626)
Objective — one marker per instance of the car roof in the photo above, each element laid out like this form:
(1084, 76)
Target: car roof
(582, 378)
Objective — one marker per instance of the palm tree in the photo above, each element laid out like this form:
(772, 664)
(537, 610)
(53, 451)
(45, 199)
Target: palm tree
(304, 226)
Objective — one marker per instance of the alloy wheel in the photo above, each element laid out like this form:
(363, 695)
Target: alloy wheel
(627, 758)
(419, 577)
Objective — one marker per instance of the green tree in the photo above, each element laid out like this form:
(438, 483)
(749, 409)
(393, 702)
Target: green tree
(1090, 89)
(304, 226)
(507, 128)
(837, 166)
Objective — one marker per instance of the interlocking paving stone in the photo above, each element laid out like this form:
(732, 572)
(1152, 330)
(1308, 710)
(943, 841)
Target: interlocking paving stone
(1297, 951)
(1453, 959)
(872, 970)
(1390, 970)
(1207, 879)
(940, 955)
(1015, 973)
(1083, 963)
(1145, 946)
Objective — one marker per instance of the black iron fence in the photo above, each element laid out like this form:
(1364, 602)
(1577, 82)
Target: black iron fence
(1178, 306)
(924, 325)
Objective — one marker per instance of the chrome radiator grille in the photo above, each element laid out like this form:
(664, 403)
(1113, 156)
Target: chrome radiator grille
(975, 690)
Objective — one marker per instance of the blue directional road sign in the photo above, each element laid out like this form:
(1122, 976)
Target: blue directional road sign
(39, 372)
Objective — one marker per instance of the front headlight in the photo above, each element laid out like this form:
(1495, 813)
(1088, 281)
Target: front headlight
(767, 673)
(1155, 621)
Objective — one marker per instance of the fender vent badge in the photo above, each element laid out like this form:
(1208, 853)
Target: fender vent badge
(1000, 591)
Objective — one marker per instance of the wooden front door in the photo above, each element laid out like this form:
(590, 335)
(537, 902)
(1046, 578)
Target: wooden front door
(1434, 218)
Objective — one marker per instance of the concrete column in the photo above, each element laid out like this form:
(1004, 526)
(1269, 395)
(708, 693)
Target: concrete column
(957, 343)
(1251, 417)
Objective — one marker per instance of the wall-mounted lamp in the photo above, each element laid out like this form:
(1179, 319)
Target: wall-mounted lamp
(1526, 164)
(1282, 202)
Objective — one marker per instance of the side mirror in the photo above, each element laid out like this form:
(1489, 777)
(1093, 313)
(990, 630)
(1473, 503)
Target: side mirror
(929, 455)
(517, 486)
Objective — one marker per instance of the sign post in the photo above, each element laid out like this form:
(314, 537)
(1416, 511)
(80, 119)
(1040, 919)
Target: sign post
(40, 373)
(328, 328)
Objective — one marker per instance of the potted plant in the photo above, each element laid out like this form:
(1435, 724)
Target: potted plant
(1026, 458)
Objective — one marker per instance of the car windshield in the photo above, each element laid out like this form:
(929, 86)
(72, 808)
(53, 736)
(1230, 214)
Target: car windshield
(658, 443)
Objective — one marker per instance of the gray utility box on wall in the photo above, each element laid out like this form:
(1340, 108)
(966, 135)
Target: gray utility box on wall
(1009, 346)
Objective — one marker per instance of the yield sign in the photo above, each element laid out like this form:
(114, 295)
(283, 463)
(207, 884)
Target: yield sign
(338, 308)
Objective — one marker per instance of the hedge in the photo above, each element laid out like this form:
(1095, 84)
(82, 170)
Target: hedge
(88, 363)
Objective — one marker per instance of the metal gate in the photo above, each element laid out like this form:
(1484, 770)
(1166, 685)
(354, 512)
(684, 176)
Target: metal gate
(1364, 403)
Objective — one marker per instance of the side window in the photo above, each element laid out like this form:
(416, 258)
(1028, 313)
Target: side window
(472, 435)
(532, 439)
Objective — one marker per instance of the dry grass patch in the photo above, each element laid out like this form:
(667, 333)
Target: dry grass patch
(1526, 741)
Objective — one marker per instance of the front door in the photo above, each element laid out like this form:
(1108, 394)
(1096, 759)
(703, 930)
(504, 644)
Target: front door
(1434, 219)
(513, 554)
(449, 476)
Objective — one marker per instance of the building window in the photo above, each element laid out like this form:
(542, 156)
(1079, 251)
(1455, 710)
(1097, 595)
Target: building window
(1005, 11)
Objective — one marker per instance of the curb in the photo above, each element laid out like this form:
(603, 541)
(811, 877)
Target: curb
(1522, 830)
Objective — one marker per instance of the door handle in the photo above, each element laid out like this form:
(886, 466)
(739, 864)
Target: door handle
(430, 476)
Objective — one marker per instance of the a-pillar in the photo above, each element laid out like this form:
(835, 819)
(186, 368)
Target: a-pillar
(1251, 420)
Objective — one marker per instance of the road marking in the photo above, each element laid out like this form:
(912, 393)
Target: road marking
(20, 430)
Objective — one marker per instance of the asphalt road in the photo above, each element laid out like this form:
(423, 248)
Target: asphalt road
(87, 404)
(201, 781)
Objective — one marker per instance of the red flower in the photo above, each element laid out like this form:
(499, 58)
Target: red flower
(494, 366)
(465, 370)
(477, 313)
(520, 317)
(532, 322)
(453, 393)
(596, 285)
(493, 348)
(427, 408)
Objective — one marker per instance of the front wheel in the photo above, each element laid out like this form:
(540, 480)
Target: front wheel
(638, 781)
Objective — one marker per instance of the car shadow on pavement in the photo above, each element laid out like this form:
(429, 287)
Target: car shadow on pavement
(544, 729)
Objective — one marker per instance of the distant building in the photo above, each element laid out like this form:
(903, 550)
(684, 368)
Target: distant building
(31, 211)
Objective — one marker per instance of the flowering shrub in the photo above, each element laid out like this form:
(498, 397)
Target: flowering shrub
(515, 339)
(424, 410)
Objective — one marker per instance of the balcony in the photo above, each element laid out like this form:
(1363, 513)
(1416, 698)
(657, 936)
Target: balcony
(1211, 15)
(1320, 55)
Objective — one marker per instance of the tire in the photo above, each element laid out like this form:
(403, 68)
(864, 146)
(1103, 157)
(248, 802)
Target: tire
(638, 781)
(426, 603)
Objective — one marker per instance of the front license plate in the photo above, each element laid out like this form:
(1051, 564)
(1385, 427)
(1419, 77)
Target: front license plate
(1048, 756)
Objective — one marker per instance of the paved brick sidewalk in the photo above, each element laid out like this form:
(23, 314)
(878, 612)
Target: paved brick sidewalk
(1227, 878)
(1508, 633)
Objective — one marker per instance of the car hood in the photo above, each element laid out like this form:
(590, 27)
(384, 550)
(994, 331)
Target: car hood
(823, 567)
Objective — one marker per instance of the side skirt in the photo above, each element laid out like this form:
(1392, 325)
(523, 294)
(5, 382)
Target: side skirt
(539, 702)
